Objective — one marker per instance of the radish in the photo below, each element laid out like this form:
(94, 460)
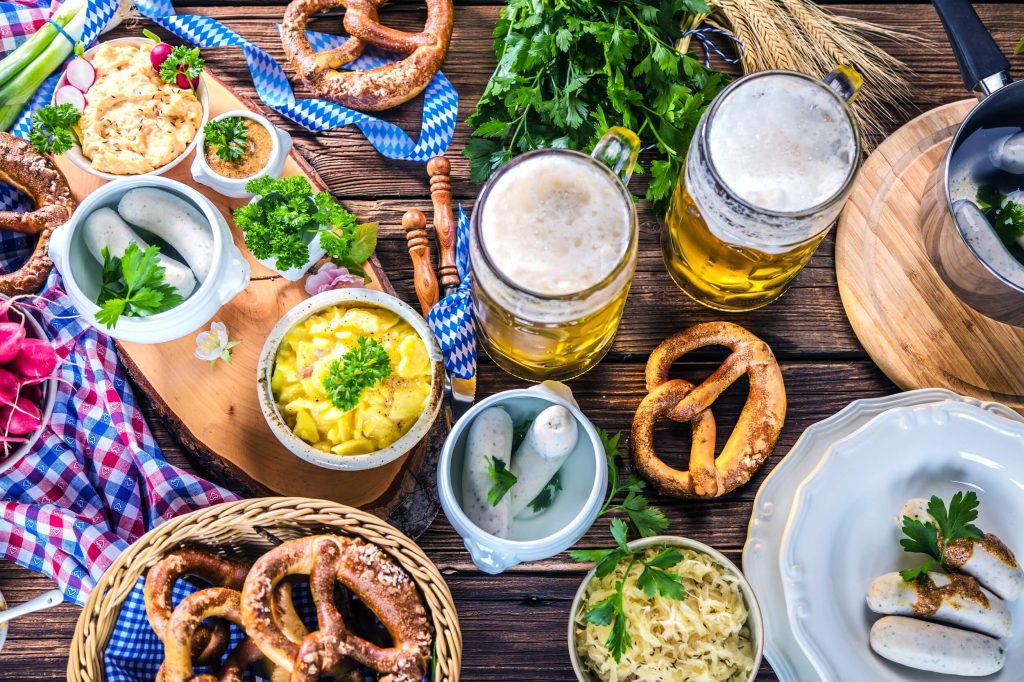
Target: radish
(159, 54)
(185, 83)
(9, 385)
(12, 337)
(69, 94)
(32, 391)
(35, 360)
(22, 418)
(80, 74)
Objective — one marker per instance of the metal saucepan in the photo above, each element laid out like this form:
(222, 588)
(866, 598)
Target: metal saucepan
(965, 251)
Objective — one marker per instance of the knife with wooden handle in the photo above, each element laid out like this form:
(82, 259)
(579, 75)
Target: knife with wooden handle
(415, 225)
(462, 392)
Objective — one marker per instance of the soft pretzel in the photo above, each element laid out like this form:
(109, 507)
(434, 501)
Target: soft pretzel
(213, 602)
(373, 577)
(35, 175)
(208, 643)
(757, 428)
(373, 89)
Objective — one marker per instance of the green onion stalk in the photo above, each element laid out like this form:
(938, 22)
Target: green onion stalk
(25, 69)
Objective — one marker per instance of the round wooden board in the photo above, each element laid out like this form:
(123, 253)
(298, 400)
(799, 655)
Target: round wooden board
(910, 323)
(214, 410)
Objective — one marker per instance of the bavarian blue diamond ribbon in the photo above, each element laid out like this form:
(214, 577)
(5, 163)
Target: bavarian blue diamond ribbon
(451, 319)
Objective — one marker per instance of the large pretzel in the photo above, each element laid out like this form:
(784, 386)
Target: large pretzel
(373, 577)
(22, 167)
(373, 89)
(756, 431)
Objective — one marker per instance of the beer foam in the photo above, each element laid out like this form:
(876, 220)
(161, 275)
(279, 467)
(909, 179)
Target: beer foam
(782, 143)
(555, 225)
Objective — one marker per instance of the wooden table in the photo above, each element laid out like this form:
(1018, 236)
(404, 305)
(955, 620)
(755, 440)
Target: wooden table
(514, 625)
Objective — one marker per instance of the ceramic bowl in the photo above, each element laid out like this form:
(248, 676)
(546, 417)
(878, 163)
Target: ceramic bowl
(81, 272)
(584, 483)
(281, 146)
(75, 153)
(755, 622)
(369, 298)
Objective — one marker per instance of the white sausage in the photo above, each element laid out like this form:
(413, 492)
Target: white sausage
(892, 595)
(936, 648)
(490, 436)
(988, 560)
(550, 440)
(173, 220)
(1007, 153)
(105, 228)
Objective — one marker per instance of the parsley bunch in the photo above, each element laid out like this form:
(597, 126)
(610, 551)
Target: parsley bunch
(228, 137)
(1006, 216)
(278, 223)
(133, 285)
(933, 537)
(646, 521)
(182, 59)
(53, 128)
(363, 366)
(570, 69)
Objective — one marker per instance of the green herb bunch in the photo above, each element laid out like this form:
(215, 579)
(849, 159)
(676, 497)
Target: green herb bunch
(932, 537)
(287, 210)
(570, 69)
(1006, 216)
(361, 367)
(133, 285)
(646, 521)
(53, 128)
(228, 137)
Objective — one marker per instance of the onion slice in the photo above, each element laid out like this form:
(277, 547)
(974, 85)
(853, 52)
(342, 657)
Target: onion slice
(81, 74)
(69, 94)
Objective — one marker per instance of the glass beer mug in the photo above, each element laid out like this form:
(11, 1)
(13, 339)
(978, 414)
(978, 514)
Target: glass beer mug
(552, 251)
(768, 171)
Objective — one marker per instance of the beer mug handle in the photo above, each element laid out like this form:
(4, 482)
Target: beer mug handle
(845, 81)
(618, 149)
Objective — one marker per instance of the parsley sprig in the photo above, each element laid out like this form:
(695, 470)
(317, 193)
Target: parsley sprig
(932, 537)
(502, 480)
(1006, 216)
(133, 285)
(646, 521)
(570, 69)
(53, 128)
(228, 137)
(182, 59)
(361, 367)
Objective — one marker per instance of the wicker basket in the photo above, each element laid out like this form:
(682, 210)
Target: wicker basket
(231, 528)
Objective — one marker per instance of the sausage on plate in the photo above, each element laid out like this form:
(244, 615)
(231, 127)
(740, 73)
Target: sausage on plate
(936, 648)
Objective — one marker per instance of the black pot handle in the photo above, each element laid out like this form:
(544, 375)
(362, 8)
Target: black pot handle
(976, 53)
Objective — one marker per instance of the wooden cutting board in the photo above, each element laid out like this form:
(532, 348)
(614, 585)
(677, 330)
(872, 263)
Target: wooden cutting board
(214, 410)
(915, 329)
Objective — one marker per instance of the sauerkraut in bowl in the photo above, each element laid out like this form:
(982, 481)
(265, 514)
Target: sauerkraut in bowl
(713, 634)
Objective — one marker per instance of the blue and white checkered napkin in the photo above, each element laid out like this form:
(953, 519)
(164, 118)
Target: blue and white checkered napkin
(134, 652)
(451, 318)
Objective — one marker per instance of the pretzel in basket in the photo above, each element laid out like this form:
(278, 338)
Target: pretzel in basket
(371, 576)
(757, 428)
(373, 89)
(35, 175)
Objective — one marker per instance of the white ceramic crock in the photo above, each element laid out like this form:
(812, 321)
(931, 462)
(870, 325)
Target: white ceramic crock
(228, 276)
(576, 507)
(353, 297)
(755, 621)
(281, 146)
(75, 153)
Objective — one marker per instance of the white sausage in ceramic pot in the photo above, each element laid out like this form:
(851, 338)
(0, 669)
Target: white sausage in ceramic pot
(550, 440)
(173, 220)
(489, 438)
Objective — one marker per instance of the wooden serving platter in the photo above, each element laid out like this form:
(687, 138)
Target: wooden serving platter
(914, 328)
(214, 410)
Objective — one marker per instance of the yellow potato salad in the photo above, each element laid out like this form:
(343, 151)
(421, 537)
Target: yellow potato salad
(385, 411)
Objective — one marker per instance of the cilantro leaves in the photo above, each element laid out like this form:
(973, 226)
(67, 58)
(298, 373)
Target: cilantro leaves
(363, 366)
(502, 480)
(53, 128)
(946, 525)
(570, 69)
(133, 285)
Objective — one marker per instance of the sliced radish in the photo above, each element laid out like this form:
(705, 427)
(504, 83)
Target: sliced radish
(81, 74)
(69, 94)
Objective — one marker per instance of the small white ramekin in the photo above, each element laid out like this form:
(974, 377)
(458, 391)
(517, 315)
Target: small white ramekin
(229, 274)
(754, 620)
(354, 297)
(490, 553)
(281, 146)
(75, 153)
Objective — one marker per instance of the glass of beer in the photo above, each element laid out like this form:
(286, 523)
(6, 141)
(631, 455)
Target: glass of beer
(552, 251)
(768, 171)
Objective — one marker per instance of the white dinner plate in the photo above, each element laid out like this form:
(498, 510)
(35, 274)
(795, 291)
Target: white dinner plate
(772, 506)
(842, 531)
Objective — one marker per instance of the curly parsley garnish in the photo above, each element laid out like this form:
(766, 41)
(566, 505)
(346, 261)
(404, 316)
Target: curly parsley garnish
(53, 128)
(934, 536)
(362, 367)
(546, 497)
(646, 521)
(228, 137)
(133, 285)
(182, 59)
(502, 480)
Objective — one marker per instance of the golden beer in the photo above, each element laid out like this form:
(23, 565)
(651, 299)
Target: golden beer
(552, 251)
(766, 176)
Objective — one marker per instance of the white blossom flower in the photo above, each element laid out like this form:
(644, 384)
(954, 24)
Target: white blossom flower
(214, 345)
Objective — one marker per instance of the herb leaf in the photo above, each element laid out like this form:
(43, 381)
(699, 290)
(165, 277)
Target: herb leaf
(362, 366)
(502, 480)
(53, 128)
(953, 523)
(228, 137)
(133, 285)
(912, 574)
(182, 59)
(546, 497)
(956, 522)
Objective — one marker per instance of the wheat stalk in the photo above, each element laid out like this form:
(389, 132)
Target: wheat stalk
(799, 35)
